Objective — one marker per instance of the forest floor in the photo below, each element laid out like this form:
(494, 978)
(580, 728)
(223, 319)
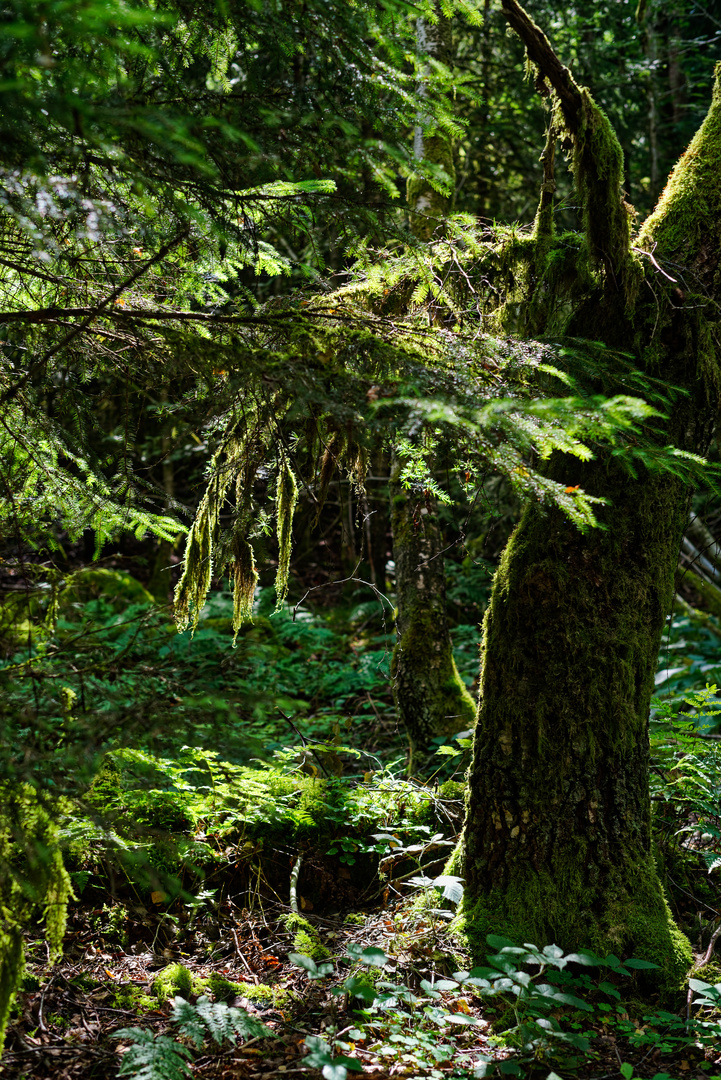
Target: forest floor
(68, 1019)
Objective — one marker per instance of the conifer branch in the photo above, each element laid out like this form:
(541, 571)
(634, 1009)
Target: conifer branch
(91, 313)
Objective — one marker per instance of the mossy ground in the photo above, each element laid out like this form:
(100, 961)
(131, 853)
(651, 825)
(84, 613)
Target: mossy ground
(178, 980)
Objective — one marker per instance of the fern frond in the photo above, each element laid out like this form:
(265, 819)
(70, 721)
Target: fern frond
(215, 1020)
(153, 1058)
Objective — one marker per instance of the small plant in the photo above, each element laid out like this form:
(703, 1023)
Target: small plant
(161, 1058)
(542, 1014)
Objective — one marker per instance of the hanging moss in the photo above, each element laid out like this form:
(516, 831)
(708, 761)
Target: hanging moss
(32, 877)
(209, 550)
(286, 499)
(192, 589)
(244, 578)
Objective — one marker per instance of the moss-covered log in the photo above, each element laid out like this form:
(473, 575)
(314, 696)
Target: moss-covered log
(557, 843)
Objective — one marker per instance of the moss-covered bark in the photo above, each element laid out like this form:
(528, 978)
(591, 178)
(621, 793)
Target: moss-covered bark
(431, 698)
(556, 845)
(557, 838)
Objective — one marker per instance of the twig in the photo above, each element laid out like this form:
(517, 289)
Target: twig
(91, 313)
(302, 737)
(294, 885)
(649, 255)
(240, 955)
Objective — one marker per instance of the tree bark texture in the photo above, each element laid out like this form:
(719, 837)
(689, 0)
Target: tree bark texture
(431, 698)
(557, 840)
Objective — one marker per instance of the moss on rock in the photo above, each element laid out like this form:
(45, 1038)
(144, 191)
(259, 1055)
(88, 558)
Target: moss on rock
(174, 980)
(224, 989)
(306, 939)
(134, 998)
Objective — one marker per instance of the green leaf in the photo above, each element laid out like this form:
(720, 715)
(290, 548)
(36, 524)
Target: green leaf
(462, 1019)
(499, 943)
(373, 957)
(306, 962)
(359, 988)
(334, 1070)
(452, 887)
(626, 1071)
(585, 957)
(346, 1062)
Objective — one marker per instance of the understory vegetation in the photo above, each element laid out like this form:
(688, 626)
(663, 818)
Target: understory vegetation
(258, 884)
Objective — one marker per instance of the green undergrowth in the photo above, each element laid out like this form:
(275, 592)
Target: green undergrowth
(162, 818)
(547, 1010)
(305, 937)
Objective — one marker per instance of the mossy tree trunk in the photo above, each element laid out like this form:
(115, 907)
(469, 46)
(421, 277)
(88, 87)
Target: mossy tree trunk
(557, 841)
(431, 698)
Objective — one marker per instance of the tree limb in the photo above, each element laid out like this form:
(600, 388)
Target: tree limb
(597, 160)
(541, 53)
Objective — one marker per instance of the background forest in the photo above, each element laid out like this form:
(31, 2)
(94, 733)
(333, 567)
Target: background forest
(275, 388)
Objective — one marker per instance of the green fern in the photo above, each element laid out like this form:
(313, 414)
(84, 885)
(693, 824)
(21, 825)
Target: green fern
(215, 1020)
(153, 1057)
(161, 1058)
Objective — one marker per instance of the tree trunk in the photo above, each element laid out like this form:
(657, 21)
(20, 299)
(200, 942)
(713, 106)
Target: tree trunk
(431, 698)
(557, 838)
(427, 205)
(557, 841)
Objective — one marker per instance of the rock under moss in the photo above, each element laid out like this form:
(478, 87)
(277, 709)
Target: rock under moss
(173, 980)
(306, 939)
